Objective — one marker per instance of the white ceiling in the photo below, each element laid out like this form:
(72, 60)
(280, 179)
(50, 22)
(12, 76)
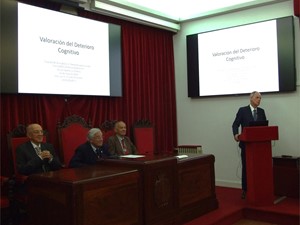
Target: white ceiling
(170, 13)
(187, 9)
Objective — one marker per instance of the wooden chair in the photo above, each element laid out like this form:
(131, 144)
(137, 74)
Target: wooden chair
(71, 133)
(15, 138)
(18, 197)
(5, 202)
(143, 134)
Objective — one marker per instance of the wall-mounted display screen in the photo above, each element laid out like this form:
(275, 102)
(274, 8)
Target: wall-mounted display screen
(239, 60)
(59, 53)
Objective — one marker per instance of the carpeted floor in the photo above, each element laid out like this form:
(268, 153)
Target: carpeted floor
(235, 211)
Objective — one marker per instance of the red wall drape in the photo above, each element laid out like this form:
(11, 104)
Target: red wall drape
(297, 7)
(148, 92)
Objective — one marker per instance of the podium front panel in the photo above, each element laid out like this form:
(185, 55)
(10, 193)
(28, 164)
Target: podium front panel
(263, 133)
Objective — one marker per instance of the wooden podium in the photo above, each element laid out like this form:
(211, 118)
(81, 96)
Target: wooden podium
(260, 189)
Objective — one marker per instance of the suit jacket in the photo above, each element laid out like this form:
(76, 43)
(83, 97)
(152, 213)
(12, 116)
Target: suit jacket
(115, 147)
(28, 162)
(243, 118)
(85, 155)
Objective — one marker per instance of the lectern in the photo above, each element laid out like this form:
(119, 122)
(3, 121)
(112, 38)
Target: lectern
(260, 189)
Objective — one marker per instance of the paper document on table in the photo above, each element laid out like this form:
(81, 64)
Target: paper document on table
(181, 156)
(132, 156)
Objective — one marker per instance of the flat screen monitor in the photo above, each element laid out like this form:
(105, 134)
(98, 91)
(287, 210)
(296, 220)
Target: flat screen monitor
(238, 60)
(60, 53)
(258, 123)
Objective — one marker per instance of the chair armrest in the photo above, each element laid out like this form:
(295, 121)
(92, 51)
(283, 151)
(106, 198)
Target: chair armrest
(3, 180)
(20, 179)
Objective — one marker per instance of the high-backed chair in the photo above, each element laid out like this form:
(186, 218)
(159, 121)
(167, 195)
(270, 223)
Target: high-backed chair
(107, 128)
(5, 200)
(4, 203)
(15, 138)
(144, 139)
(18, 196)
(71, 133)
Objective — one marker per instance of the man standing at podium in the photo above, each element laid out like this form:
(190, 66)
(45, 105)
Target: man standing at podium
(243, 117)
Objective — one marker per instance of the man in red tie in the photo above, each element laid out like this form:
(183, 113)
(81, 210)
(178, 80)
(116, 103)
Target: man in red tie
(120, 144)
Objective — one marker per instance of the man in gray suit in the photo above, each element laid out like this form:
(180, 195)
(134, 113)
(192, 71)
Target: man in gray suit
(120, 144)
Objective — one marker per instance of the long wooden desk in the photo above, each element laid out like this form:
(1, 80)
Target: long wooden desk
(156, 189)
(96, 195)
(174, 190)
(196, 178)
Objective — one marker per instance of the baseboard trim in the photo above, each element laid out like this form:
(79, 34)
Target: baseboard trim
(230, 184)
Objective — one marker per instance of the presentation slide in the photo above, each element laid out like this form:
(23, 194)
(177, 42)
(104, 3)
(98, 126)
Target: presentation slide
(60, 53)
(231, 58)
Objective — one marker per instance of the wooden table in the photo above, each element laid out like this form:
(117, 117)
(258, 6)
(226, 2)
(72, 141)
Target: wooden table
(156, 189)
(92, 195)
(174, 190)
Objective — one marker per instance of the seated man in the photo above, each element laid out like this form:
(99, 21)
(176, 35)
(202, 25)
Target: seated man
(119, 144)
(35, 156)
(89, 152)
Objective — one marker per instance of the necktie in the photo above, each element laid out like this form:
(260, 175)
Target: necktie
(45, 165)
(255, 114)
(124, 147)
(98, 152)
(38, 150)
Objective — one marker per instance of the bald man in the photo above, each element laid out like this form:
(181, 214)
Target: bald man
(120, 144)
(35, 156)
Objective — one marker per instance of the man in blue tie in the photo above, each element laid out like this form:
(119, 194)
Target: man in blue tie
(243, 117)
(91, 151)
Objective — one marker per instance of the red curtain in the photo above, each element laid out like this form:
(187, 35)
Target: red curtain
(148, 92)
(297, 7)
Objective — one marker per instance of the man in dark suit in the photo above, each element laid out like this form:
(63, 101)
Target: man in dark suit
(243, 117)
(35, 156)
(120, 144)
(91, 151)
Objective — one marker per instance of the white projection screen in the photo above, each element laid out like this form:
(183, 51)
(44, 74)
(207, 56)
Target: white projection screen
(59, 53)
(239, 60)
